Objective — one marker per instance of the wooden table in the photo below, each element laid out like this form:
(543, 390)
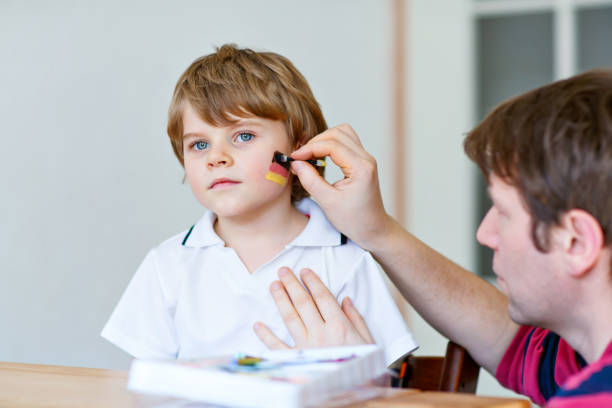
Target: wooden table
(31, 385)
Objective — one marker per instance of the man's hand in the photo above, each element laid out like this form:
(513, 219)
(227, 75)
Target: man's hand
(312, 321)
(351, 198)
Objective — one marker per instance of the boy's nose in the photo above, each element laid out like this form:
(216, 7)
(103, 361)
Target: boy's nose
(218, 157)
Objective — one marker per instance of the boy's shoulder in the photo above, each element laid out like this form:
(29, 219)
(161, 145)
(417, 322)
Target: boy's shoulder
(198, 234)
(176, 241)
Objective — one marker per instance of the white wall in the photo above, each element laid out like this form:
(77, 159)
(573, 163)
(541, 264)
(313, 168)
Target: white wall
(89, 181)
(440, 111)
(442, 180)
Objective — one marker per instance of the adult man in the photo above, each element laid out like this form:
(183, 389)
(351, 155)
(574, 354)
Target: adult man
(547, 157)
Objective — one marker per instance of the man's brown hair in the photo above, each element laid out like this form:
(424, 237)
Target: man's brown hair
(244, 83)
(554, 144)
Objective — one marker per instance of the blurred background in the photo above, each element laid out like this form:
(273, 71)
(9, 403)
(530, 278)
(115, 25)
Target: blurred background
(89, 180)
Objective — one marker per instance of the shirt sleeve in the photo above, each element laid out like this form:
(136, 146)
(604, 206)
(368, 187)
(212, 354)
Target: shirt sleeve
(537, 363)
(142, 322)
(370, 295)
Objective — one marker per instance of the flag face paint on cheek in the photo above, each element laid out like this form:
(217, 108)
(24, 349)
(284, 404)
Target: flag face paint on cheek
(277, 173)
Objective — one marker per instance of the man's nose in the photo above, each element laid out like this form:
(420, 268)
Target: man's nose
(487, 231)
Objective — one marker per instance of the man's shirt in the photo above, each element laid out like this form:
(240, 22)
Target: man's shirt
(542, 366)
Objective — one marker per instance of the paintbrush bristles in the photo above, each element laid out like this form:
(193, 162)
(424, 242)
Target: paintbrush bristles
(281, 159)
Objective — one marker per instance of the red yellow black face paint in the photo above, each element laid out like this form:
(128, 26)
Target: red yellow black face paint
(277, 172)
(279, 169)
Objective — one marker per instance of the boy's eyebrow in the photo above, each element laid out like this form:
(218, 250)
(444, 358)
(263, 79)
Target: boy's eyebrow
(192, 134)
(247, 121)
(238, 123)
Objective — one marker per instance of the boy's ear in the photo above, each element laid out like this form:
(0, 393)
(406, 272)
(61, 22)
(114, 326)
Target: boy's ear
(581, 241)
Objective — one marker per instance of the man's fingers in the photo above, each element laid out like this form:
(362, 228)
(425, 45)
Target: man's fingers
(335, 143)
(350, 132)
(342, 134)
(357, 320)
(350, 159)
(268, 338)
(302, 301)
(340, 151)
(311, 180)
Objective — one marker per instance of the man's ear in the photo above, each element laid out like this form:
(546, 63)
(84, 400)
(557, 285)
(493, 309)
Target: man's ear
(581, 240)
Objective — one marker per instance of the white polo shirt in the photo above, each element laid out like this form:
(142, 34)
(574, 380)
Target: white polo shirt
(193, 297)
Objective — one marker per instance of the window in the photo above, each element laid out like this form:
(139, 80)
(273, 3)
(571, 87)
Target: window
(525, 44)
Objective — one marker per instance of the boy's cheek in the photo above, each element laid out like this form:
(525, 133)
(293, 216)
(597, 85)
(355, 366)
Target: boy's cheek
(196, 180)
(258, 171)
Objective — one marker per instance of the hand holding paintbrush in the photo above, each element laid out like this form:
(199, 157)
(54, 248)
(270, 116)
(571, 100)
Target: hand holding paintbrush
(279, 169)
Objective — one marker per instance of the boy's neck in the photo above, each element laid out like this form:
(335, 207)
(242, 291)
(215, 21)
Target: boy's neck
(259, 236)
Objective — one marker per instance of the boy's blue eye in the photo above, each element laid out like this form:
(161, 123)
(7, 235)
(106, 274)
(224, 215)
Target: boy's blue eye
(200, 145)
(244, 137)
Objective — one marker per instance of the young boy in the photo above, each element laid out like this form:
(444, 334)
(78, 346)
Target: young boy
(199, 293)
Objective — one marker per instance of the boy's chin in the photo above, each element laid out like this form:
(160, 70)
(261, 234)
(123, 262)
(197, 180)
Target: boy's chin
(238, 210)
(236, 207)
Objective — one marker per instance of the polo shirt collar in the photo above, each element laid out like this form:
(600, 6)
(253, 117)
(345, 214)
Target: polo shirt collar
(202, 234)
(318, 231)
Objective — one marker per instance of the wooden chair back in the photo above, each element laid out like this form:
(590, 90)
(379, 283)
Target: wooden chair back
(455, 372)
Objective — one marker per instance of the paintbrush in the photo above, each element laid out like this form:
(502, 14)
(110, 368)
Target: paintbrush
(285, 160)
(279, 169)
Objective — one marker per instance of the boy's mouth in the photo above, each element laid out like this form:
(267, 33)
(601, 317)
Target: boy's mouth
(222, 183)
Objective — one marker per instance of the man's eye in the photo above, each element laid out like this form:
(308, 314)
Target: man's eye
(200, 145)
(244, 137)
